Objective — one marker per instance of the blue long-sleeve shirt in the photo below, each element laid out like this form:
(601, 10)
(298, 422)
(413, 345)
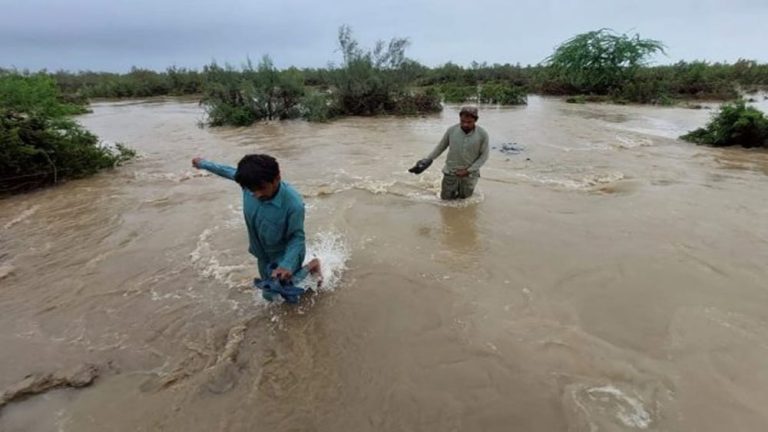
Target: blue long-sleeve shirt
(275, 227)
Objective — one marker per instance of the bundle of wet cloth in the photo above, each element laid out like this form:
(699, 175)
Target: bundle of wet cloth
(272, 287)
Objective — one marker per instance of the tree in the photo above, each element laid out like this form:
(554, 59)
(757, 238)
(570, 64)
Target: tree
(601, 61)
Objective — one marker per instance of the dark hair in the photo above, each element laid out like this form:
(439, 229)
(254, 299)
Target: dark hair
(254, 171)
(469, 111)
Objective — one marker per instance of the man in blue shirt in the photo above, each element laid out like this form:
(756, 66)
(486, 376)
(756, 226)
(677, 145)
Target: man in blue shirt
(274, 216)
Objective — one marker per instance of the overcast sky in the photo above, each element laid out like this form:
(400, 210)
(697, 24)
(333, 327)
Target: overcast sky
(115, 35)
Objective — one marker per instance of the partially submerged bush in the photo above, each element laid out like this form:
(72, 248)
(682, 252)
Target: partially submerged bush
(734, 124)
(427, 101)
(317, 107)
(34, 95)
(40, 144)
(490, 93)
(377, 81)
(453, 93)
(239, 98)
(578, 99)
(502, 94)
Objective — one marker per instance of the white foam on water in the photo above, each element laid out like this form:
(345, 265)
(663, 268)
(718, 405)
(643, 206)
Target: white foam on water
(202, 243)
(586, 182)
(627, 142)
(603, 178)
(434, 198)
(22, 216)
(208, 264)
(376, 187)
(177, 177)
(629, 410)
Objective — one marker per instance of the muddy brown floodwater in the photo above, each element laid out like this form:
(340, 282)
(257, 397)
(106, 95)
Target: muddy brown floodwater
(607, 278)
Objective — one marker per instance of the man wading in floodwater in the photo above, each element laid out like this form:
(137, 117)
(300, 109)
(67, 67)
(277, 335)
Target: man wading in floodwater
(274, 216)
(467, 146)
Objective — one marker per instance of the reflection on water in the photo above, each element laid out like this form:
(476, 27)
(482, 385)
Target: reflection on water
(459, 233)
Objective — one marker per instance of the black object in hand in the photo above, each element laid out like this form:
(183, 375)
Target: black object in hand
(421, 166)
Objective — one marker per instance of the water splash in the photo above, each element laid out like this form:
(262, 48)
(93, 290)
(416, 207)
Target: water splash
(333, 252)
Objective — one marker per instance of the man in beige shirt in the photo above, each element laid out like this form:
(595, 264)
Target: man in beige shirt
(467, 146)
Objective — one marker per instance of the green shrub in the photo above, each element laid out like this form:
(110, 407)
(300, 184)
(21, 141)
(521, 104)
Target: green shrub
(502, 94)
(454, 93)
(34, 95)
(376, 81)
(734, 124)
(40, 144)
(239, 98)
(578, 99)
(427, 101)
(316, 107)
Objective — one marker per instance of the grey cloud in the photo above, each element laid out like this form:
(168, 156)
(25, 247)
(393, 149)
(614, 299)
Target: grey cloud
(94, 34)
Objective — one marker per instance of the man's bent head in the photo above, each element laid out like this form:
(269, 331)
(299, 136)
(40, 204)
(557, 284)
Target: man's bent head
(467, 118)
(260, 174)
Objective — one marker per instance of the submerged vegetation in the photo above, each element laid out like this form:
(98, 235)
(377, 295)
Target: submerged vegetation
(40, 144)
(735, 124)
(682, 81)
(377, 81)
(599, 65)
(596, 66)
(368, 82)
(241, 97)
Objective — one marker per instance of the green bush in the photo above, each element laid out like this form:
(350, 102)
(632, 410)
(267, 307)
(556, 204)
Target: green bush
(502, 94)
(40, 144)
(734, 124)
(239, 98)
(376, 81)
(34, 95)
(453, 93)
(316, 107)
(579, 99)
(427, 101)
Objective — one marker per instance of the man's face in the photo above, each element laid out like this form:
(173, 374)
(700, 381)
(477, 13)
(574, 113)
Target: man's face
(267, 191)
(467, 122)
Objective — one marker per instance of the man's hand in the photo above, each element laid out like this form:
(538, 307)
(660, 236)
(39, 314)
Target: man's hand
(196, 162)
(421, 166)
(461, 172)
(282, 274)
